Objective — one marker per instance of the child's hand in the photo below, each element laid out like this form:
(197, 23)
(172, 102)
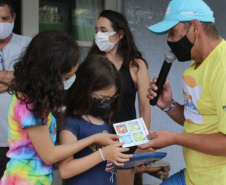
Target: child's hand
(114, 154)
(105, 139)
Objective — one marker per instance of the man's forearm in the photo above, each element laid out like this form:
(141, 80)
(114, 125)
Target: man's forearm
(213, 144)
(6, 77)
(177, 114)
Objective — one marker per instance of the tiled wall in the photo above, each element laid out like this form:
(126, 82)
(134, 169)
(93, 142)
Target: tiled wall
(141, 14)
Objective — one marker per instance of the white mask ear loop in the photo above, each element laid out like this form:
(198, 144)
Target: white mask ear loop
(111, 34)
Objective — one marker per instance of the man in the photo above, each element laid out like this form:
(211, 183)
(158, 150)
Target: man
(11, 46)
(192, 35)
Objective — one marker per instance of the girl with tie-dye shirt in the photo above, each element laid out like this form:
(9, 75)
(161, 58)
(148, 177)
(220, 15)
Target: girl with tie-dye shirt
(43, 72)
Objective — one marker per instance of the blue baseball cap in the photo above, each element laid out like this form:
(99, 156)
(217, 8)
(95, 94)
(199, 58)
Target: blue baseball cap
(183, 10)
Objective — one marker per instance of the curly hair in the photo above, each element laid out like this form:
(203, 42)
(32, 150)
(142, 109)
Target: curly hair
(37, 74)
(95, 73)
(127, 48)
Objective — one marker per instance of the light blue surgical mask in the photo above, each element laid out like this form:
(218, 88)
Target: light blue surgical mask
(68, 83)
(5, 30)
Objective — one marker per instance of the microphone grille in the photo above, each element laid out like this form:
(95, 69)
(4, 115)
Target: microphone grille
(170, 57)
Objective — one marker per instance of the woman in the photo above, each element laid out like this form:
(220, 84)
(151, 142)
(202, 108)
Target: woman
(114, 40)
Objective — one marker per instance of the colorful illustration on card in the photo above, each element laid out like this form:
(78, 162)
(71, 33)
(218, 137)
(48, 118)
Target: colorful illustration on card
(138, 136)
(126, 139)
(132, 132)
(134, 126)
(121, 129)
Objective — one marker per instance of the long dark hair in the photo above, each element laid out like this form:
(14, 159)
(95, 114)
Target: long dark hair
(38, 73)
(127, 48)
(94, 74)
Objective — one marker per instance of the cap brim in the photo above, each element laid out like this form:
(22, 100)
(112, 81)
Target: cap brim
(162, 27)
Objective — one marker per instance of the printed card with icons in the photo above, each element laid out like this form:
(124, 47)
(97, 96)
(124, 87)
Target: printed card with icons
(132, 132)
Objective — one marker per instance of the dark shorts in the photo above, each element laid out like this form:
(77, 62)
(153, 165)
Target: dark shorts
(3, 159)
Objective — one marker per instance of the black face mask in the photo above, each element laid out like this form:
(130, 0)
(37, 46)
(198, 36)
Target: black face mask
(100, 107)
(182, 49)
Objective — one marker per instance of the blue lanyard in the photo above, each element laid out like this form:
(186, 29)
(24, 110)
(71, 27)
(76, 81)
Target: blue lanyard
(2, 61)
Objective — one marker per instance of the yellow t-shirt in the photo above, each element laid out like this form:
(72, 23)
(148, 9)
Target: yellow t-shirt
(204, 91)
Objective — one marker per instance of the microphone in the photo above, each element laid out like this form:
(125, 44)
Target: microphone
(169, 58)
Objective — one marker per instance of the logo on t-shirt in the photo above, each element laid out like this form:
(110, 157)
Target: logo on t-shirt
(192, 93)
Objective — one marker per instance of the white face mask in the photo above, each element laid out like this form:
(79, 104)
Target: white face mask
(68, 83)
(102, 41)
(5, 30)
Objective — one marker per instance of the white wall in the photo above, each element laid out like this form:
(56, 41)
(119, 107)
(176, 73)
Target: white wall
(30, 17)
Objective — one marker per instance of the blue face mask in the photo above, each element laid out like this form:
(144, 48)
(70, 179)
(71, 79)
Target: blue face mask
(68, 83)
